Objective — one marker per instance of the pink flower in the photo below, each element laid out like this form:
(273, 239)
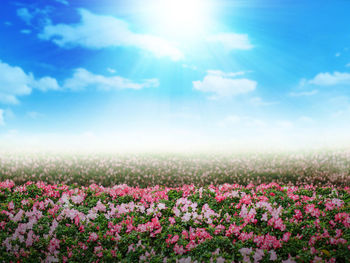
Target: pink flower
(286, 236)
(11, 206)
(179, 249)
(98, 251)
(174, 239)
(298, 215)
(271, 241)
(277, 223)
(100, 207)
(337, 202)
(30, 240)
(76, 220)
(131, 248)
(83, 246)
(273, 255)
(219, 198)
(172, 220)
(259, 254)
(184, 234)
(161, 206)
(191, 245)
(289, 260)
(18, 216)
(54, 245)
(246, 236)
(93, 237)
(92, 215)
(176, 211)
(7, 184)
(311, 209)
(53, 227)
(51, 258)
(219, 229)
(246, 251)
(77, 199)
(244, 211)
(264, 217)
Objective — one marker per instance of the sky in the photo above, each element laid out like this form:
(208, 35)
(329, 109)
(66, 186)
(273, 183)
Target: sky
(179, 74)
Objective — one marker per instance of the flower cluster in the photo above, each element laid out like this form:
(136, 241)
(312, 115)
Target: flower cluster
(42, 222)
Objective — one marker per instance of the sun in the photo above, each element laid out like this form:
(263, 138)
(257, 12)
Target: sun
(180, 18)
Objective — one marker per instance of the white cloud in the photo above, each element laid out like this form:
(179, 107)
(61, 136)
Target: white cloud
(338, 54)
(111, 70)
(223, 86)
(347, 65)
(257, 101)
(2, 121)
(98, 31)
(82, 79)
(329, 79)
(46, 83)
(64, 2)
(231, 41)
(225, 74)
(303, 93)
(15, 82)
(25, 15)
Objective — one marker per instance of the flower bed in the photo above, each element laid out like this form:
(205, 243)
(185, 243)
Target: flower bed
(225, 223)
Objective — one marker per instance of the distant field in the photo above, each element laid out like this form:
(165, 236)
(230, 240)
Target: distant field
(173, 170)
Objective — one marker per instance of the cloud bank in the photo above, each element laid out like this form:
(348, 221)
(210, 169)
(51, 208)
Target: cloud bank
(99, 31)
(331, 79)
(82, 79)
(222, 84)
(15, 82)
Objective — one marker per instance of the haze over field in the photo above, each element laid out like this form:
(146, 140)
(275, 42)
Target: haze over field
(162, 75)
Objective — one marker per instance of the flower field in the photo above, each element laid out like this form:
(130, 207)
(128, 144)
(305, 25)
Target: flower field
(175, 209)
(143, 170)
(227, 223)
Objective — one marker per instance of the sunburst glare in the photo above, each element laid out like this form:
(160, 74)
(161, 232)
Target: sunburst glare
(181, 19)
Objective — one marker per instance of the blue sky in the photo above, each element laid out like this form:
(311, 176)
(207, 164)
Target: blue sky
(174, 72)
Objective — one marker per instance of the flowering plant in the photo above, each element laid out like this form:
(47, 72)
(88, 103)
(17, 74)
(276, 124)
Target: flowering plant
(225, 223)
